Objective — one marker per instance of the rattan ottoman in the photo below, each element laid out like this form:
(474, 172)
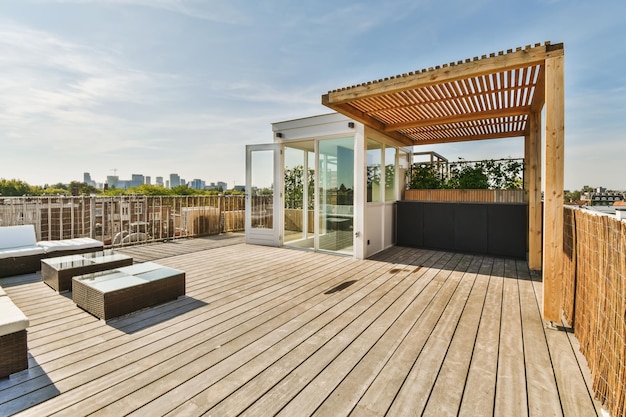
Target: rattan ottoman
(58, 272)
(114, 293)
(13, 353)
(13, 347)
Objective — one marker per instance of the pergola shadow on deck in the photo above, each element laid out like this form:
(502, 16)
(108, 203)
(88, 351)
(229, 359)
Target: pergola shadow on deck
(265, 331)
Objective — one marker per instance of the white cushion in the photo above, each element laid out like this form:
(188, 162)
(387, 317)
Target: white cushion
(69, 244)
(11, 318)
(17, 236)
(23, 251)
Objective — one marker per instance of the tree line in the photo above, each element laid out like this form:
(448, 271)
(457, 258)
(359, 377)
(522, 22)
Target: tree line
(18, 188)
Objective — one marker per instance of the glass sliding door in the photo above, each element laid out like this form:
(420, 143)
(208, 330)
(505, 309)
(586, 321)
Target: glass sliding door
(335, 203)
(299, 183)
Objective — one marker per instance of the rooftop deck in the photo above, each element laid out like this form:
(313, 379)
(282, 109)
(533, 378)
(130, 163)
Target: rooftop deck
(265, 331)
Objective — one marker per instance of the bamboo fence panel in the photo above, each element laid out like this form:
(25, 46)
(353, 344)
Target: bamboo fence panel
(595, 300)
(484, 196)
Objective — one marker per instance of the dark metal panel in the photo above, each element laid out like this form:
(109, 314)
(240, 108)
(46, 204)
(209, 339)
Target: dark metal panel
(470, 228)
(439, 225)
(508, 229)
(409, 223)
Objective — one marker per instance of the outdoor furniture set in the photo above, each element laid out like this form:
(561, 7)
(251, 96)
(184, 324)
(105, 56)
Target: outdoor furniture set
(21, 253)
(103, 283)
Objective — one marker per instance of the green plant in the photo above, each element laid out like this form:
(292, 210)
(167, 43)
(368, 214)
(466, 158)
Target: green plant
(504, 174)
(468, 176)
(424, 176)
(489, 174)
(294, 187)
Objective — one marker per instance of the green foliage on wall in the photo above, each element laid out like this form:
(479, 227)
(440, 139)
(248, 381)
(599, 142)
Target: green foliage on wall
(490, 174)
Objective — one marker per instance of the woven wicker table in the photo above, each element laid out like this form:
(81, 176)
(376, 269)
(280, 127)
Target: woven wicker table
(58, 272)
(121, 291)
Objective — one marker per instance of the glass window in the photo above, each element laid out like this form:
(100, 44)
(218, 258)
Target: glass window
(403, 168)
(374, 162)
(336, 194)
(390, 174)
(299, 180)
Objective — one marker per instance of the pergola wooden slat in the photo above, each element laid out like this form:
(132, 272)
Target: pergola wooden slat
(492, 97)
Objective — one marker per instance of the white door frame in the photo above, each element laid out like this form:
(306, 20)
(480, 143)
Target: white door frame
(265, 236)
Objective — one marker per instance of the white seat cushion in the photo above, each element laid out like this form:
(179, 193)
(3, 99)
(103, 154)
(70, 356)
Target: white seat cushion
(17, 236)
(51, 246)
(22, 251)
(11, 318)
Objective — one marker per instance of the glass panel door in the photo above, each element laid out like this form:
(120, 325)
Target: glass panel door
(262, 198)
(336, 195)
(299, 181)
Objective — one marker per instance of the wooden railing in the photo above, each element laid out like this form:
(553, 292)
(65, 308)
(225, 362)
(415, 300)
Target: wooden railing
(122, 220)
(594, 299)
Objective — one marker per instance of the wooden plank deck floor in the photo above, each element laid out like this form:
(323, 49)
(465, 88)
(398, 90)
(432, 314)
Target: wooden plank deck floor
(267, 331)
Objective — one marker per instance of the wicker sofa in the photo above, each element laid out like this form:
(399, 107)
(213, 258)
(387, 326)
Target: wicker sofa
(20, 253)
(13, 347)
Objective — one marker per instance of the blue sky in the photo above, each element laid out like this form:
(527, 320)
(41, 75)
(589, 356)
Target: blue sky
(159, 86)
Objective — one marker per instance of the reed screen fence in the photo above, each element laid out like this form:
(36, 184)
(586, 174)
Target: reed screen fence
(594, 299)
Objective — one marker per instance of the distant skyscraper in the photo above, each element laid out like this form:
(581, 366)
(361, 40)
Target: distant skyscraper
(159, 181)
(148, 180)
(197, 183)
(174, 180)
(113, 181)
(86, 177)
(136, 180)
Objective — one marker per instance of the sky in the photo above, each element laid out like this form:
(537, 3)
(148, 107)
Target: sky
(155, 87)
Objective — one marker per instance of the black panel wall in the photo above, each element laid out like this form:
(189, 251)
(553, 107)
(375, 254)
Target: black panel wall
(411, 230)
(438, 228)
(471, 228)
(492, 229)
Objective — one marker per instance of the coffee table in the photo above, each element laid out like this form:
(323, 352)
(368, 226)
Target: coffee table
(113, 293)
(58, 272)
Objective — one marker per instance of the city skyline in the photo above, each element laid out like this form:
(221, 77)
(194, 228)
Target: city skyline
(136, 180)
(99, 85)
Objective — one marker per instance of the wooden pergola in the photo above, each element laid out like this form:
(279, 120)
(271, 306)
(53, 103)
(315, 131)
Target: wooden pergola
(492, 97)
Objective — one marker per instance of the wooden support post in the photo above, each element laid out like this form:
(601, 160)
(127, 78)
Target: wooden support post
(553, 195)
(533, 184)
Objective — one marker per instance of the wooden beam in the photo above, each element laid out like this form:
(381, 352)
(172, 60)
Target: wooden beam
(553, 195)
(468, 117)
(362, 117)
(474, 68)
(532, 177)
(539, 97)
(515, 134)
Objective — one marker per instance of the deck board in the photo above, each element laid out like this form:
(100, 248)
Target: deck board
(510, 399)
(266, 331)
